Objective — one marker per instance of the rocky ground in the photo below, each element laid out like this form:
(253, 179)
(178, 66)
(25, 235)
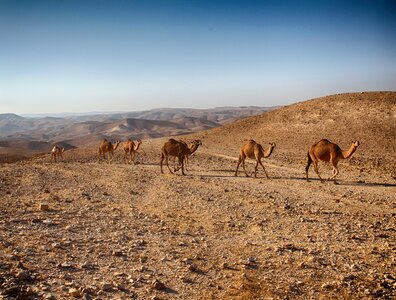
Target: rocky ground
(90, 230)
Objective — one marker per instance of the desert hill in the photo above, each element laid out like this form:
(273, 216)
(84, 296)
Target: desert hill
(86, 229)
(369, 117)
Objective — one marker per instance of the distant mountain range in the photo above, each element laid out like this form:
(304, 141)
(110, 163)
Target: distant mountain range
(38, 134)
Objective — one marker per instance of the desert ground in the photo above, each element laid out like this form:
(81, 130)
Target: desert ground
(85, 229)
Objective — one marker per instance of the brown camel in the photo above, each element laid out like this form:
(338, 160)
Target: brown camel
(57, 152)
(130, 148)
(107, 147)
(255, 151)
(326, 151)
(185, 157)
(179, 150)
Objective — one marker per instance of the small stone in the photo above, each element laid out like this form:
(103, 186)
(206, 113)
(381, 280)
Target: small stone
(23, 275)
(87, 297)
(122, 288)
(389, 277)
(158, 285)
(327, 286)
(349, 277)
(252, 260)
(117, 253)
(12, 291)
(378, 293)
(74, 292)
(106, 287)
(44, 207)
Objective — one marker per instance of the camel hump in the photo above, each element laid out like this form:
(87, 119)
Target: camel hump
(252, 141)
(325, 141)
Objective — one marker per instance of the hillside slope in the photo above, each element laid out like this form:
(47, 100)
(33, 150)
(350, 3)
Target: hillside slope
(369, 117)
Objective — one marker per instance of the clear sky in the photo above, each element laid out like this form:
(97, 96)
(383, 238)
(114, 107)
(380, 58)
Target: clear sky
(80, 56)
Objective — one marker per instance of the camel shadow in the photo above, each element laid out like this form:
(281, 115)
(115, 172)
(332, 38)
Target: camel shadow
(367, 184)
(169, 291)
(341, 182)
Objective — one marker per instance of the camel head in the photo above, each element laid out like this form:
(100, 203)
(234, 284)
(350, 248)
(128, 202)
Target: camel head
(269, 150)
(197, 142)
(138, 143)
(194, 146)
(356, 143)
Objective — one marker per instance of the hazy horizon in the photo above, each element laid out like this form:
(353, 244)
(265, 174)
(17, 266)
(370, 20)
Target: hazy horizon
(86, 56)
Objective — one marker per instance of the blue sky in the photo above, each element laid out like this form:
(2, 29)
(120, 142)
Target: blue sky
(81, 56)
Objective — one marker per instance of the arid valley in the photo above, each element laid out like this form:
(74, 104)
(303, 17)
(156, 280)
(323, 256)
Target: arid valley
(85, 229)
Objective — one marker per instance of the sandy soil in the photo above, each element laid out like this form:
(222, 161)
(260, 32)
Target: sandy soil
(124, 231)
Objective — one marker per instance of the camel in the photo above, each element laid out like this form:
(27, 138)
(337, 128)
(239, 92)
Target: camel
(254, 150)
(325, 150)
(130, 148)
(57, 152)
(179, 150)
(185, 157)
(105, 147)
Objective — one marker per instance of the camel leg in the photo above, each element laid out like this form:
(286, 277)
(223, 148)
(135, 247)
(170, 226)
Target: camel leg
(309, 162)
(133, 157)
(263, 168)
(100, 155)
(239, 162)
(109, 157)
(167, 163)
(315, 163)
(255, 169)
(335, 171)
(243, 165)
(186, 161)
(162, 159)
(182, 164)
(176, 167)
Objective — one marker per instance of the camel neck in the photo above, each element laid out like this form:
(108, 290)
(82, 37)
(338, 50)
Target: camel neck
(116, 146)
(194, 148)
(268, 151)
(348, 153)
